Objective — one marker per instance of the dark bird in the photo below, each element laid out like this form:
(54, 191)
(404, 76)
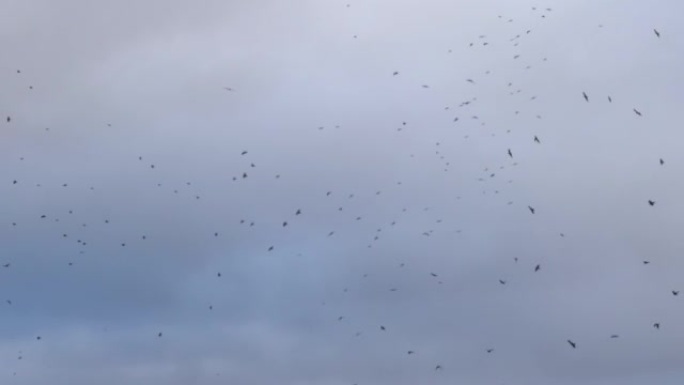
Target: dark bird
(501, 281)
(656, 325)
(218, 275)
(656, 32)
(610, 100)
(433, 274)
(340, 318)
(6, 265)
(410, 352)
(531, 209)
(572, 344)
(646, 262)
(243, 152)
(510, 153)
(636, 111)
(9, 119)
(614, 336)
(284, 223)
(382, 327)
(490, 350)
(586, 97)
(438, 367)
(395, 73)
(675, 292)
(536, 139)
(650, 202)
(270, 248)
(298, 212)
(536, 268)
(160, 334)
(662, 162)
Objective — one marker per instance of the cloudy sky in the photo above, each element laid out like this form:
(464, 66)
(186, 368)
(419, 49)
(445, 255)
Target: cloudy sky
(155, 155)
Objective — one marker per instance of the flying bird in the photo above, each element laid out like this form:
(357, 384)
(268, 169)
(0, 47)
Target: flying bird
(636, 111)
(656, 325)
(395, 73)
(586, 97)
(501, 281)
(531, 209)
(510, 153)
(490, 350)
(675, 292)
(536, 139)
(614, 336)
(382, 327)
(650, 202)
(656, 32)
(536, 268)
(662, 162)
(572, 344)
(610, 100)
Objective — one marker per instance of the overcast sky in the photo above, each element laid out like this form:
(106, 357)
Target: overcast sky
(155, 154)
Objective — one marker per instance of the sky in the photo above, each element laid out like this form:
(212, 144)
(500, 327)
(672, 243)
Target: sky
(336, 192)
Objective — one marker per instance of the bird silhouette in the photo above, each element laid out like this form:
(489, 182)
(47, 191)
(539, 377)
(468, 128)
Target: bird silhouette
(572, 344)
(656, 325)
(536, 268)
(536, 139)
(510, 153)
(650, 202)
(501, 281)
(586, 97)
(656, 32)
(531, 209)
(675, 292)
(662, 162)
(636, 111)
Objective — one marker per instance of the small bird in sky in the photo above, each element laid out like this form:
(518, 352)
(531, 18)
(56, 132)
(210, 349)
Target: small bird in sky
(536, 139)
(610, 100)
(531, 209)
(536, 268)
(650, 202)
(572, 344)
(490, 350)
(395, 73)
(656, 32)
(382, 327)
(586, 97)
(662, 162)
(614, 336)
(510, 153)
(160, 334)
(675, 292)
(656, 325)
(636, 111)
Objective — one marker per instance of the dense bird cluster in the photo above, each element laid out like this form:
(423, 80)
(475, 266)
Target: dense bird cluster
(89, 235)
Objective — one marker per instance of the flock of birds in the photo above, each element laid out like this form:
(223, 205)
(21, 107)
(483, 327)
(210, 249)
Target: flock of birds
(83, 244)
